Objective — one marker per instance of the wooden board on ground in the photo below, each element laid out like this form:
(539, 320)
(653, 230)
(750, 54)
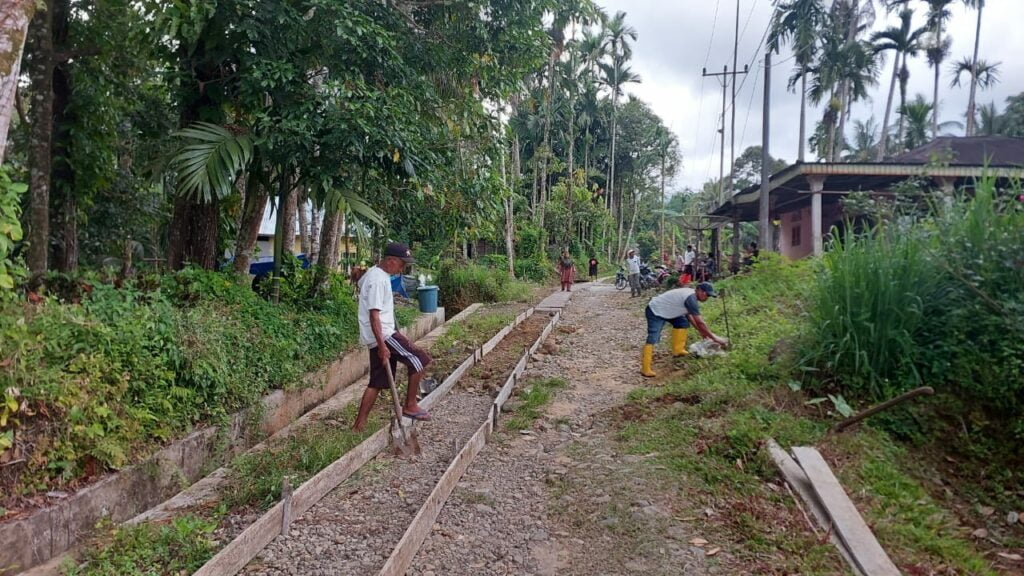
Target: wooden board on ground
(794, 476)
(846, 520)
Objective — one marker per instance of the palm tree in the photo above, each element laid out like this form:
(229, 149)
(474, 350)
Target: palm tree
(920, 115)
(798, 22)
(865, 141)
(902, 40)
(937, 48)
(847, 67)
(982, 73)
(991, 121)
(978, 5)
(617, 37)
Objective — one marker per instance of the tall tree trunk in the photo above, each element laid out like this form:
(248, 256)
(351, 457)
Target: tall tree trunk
(288, 213)
(661, 243)
(938, 70)
(572, 176)
(40, 71)
(328, 259)
(971, 102)
(534, 196)
(632, 220)
(510, 224)
(303, 216)
(195, 225)
(839, 141)
(14, 26)
(195, 229)
(900, 136)
(64, 201)
(255, 204)
(884, 140)
(803, 117)
(314, 235)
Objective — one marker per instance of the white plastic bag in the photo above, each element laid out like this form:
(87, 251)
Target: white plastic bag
(706, 349)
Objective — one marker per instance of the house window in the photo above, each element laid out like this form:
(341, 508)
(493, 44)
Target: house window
(794, 239)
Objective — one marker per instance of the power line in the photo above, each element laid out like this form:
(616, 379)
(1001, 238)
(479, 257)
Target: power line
(750, 106)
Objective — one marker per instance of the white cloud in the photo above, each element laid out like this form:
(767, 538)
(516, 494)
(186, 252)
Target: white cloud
(673, 47)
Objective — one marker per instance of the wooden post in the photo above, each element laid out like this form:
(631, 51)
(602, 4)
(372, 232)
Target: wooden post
(286, 501)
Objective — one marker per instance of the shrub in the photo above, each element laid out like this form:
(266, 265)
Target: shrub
(94, 381)
(940, 302)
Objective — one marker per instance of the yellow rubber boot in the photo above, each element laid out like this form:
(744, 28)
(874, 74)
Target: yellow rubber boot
(679, 342)
(646, 360)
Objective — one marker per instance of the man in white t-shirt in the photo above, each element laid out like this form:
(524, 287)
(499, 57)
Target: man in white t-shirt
(633, 268)
(377, 330)
(681, 308)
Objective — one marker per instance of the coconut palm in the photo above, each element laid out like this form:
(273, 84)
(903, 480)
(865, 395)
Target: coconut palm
(937, 48)
(982, 73)
(798, 22)
(618, 35)
(979, 6)
(920, 116)
(902, 40)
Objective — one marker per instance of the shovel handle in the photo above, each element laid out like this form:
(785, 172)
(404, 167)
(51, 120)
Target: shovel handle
(396, 403)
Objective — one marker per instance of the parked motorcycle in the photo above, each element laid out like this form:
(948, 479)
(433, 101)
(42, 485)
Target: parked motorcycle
(620, 279)
(648, 279)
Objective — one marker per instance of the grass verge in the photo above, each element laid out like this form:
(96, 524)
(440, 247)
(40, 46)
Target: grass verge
(706, 434)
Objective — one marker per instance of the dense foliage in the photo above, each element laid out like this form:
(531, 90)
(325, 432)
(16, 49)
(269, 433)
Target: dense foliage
(93, 380)
(938, 302)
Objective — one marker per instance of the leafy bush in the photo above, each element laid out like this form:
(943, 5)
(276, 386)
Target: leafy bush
(10, 232)
(939, 303)
(462, 284)
(537, 269)
(94, 381)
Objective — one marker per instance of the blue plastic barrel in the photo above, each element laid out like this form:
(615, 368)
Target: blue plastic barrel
(427, 296)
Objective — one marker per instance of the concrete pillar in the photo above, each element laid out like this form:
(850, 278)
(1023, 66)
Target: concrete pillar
(817, 185)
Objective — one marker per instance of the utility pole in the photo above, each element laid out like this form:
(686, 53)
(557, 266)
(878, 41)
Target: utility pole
(732, 134)
(764, 208)
(725, 76)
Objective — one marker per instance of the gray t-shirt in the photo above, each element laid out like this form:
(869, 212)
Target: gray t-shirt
(675, 303)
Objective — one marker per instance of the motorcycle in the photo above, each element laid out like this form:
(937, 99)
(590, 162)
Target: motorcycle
(648, 279)
(620, 279)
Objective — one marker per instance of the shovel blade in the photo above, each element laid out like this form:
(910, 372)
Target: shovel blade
(404, 442)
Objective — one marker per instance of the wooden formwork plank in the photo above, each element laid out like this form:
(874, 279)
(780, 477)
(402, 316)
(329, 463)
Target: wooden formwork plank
(240, 551)
(496, 339)
(794, 475)
(846, 520)
(401, 557)
(469, 310)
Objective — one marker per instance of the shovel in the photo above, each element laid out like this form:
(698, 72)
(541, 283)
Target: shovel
(403, 444)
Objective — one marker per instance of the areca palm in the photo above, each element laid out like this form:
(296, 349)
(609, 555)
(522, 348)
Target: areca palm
(979, 6)
(903, 41)
(850, 68)
(618, 35)
(991, 122)
(797, 23)
(937, 48)
(983, 74)
(865, 141)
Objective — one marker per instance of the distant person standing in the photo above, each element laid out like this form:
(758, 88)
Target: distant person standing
(688, 259)
(593, 268)
(566, 271)
(633, 268)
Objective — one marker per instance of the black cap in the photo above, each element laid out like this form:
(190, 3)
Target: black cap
(399, 250)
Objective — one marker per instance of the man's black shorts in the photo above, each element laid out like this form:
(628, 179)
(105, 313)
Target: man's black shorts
(402, 350)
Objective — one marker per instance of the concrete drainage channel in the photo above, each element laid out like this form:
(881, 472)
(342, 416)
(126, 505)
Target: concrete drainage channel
(352, 518)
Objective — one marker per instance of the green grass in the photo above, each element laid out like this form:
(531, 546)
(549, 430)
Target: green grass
(178, 547)
(707, 430)
(256, 477)
(473, 331)
(531, 399)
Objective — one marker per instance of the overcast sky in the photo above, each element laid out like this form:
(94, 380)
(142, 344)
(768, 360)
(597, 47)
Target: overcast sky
(677, 38)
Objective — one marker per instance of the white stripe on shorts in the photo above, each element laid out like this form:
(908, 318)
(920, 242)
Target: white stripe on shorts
(412, 357)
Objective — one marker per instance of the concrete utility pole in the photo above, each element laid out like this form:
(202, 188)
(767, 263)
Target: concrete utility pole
(764, 208)
(725, 191)
(735, 66)
(724, 77)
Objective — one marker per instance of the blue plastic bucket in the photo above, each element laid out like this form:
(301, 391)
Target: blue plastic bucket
(427, 296)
